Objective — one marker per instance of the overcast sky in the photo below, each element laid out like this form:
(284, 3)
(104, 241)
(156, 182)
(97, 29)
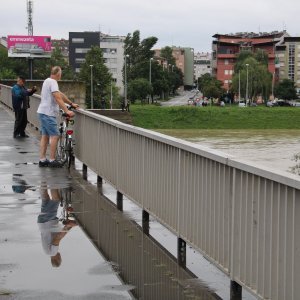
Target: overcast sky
(185, 23)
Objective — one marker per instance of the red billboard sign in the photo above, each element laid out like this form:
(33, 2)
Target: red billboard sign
(29, 46)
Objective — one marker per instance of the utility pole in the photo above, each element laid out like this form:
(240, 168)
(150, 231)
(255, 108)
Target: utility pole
(29, 17)
(30, 32)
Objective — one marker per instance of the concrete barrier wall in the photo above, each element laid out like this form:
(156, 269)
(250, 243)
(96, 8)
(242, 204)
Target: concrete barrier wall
(75, 90)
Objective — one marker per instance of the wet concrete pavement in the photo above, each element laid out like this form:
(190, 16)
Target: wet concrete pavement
(106, 256)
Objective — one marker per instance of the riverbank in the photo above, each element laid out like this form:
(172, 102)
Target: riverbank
(230, 117)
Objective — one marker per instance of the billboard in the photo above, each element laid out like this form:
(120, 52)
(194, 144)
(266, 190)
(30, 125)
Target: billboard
(29, 46)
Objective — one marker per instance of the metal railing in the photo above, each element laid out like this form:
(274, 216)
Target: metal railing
(243, 218)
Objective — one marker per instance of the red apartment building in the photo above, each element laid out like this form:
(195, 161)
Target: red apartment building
(226, 47)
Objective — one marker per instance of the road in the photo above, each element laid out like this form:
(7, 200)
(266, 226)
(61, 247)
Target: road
(180, 100)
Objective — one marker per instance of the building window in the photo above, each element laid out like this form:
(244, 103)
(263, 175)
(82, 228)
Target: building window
(79, 60)
(82, 50)
(109, 50)
(77, 70)
(226, 62)
(226, 72)
(77, 40)
(226, 81)
(291, 72)
(113, 70)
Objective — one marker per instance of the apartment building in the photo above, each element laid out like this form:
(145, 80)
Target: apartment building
(202, 64)
(184, 60)
(226, 47)
(79, 44)
(288, 60)
(113, 52)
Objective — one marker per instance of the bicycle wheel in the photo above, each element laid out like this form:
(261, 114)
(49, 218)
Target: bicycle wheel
(69, 152)
(60, 150)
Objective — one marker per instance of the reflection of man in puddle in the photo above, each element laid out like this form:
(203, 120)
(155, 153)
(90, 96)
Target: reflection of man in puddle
(52, 231)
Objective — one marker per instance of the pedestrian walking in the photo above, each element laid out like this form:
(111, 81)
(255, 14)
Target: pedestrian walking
(20, 102)
(51, 100)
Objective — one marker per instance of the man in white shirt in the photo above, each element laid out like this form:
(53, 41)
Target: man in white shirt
(51, 100)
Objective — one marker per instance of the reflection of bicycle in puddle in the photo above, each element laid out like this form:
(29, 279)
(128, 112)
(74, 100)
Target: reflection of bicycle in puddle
(55, 220)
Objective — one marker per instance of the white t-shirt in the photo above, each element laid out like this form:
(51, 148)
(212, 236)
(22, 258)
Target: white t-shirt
(48, 105)
(48, 230)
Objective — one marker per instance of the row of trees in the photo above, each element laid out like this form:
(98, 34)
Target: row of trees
(165, 78)
(255, 66)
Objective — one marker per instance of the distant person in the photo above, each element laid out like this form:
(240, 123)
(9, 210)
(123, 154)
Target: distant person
(103, 103)
(52, 231)
(51, 100)
(20, 102)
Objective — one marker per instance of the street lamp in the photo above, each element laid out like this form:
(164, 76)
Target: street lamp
(239, 86)
(92, 96)
(150, 79)
(273, 78)
(247, 65)
(111, 88)
(125, 81)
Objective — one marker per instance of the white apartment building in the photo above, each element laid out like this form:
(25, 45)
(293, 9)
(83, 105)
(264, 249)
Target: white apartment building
(113, 54)
(202, 64)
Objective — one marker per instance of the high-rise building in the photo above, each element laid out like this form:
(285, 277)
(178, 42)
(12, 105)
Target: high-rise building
(226, 48)
(112, 47)
(79, 44)
(202, 64)
(113, 54)
(288, 60)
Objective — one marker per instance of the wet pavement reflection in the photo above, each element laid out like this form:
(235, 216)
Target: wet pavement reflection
(61, 238)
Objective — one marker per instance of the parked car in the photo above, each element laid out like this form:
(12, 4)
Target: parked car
(283, 103)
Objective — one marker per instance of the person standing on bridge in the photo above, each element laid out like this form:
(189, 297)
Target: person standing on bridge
(51, 100)
(20, 102)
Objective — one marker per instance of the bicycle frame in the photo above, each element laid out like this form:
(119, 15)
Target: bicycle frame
(65, 151)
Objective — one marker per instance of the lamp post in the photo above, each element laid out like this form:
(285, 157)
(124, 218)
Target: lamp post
(150, 79)
(247, 82)
(111, 88)
(92, 96)
(239, 86)
(125, 81)
(273, 78)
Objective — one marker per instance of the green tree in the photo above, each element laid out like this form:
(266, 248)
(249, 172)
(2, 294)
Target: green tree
(42, 67)
(167, 54)
(285, 89)
(139, 88)
(259, 77)
(12, 67)
(210, 86)
(101, 77)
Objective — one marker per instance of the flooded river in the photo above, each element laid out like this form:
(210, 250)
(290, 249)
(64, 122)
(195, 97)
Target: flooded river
(275, 149)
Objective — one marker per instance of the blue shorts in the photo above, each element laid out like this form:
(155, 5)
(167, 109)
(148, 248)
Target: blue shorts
(48, 125)
(48, 210)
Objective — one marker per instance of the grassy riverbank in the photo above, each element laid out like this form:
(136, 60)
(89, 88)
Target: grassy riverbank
(230, 117)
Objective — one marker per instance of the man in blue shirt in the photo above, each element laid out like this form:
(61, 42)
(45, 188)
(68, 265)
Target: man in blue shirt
(20, 102)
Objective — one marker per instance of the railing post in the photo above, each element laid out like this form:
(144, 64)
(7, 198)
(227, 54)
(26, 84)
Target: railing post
(99, 180)
(235, 291)
(84, 171)
(119, 201)
(145, 222)
(181, 252)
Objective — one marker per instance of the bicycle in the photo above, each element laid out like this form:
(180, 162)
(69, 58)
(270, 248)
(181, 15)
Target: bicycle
(67, 211)
(65, 147)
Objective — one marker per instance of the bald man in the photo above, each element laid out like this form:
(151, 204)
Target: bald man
(51, 100)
